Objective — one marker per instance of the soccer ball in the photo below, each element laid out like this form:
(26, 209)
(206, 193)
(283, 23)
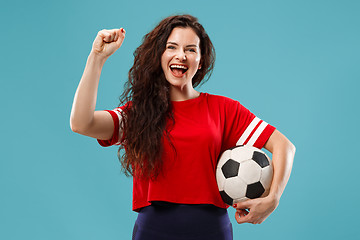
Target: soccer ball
(242, 173)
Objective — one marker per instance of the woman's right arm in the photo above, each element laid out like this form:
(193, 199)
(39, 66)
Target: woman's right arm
(84, 119)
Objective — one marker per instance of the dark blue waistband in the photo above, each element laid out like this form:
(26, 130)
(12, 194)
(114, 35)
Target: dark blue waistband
(183, 219)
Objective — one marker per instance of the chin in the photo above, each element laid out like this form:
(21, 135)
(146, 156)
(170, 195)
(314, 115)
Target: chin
(178, 83)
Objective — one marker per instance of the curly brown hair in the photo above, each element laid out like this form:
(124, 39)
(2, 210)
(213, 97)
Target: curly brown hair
(148, 93)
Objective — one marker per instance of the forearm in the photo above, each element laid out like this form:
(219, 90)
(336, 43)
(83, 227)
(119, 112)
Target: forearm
(84, 104)
(283, 152)
(282, 159)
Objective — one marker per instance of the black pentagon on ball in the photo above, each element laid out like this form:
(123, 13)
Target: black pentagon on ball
(254, 190)
(226, 198)
(230, 168)
(260, 159)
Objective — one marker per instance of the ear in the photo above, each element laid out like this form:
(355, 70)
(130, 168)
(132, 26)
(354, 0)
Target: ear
(199, 66)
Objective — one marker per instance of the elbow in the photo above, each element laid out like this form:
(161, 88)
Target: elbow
(291, 147)
(74, 129)
(286, 146)
(78, 125)
(74, 126)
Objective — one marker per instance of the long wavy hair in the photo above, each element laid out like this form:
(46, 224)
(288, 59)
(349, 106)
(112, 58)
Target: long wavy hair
(146, 97)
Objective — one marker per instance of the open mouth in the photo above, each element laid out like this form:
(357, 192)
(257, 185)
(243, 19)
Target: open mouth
(178, 70)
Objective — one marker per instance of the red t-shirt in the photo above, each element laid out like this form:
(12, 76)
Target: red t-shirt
(204, 128)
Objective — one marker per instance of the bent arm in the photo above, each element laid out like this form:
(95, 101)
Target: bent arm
(84, 119)
(283, 152)
(259, 209)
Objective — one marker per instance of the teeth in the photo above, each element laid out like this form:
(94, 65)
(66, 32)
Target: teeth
(178, 66)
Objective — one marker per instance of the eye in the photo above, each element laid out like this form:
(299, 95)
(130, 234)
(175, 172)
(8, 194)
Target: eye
(192, 50)
(170, 47)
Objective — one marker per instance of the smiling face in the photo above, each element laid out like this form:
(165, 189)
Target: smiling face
(181, 58)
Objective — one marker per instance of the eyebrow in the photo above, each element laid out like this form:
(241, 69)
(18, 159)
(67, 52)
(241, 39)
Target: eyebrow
(190, 45)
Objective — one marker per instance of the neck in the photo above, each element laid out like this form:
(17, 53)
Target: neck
(177, 94)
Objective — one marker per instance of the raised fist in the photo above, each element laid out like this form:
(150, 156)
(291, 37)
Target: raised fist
(108, 41)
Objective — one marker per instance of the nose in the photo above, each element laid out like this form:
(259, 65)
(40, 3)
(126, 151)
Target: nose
(180, 55)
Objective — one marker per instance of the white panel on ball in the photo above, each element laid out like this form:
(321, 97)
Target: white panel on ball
(250, 171)
(241, 153)
(220, 178)
(266, 176)
(235, 188)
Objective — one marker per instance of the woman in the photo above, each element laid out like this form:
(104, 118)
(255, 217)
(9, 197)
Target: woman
(173, 134)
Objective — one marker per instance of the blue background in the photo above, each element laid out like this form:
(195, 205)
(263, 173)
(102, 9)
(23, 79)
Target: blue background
(295, 64)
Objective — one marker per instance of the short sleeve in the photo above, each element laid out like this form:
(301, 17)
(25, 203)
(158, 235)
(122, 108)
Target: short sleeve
(242, 127)
(118, 129)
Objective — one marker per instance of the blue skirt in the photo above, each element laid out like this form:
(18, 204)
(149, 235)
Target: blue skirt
(169, 221)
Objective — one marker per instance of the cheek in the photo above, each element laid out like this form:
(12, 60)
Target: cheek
(196, 62)
(198, 58)
(163, 62)
(165, 59)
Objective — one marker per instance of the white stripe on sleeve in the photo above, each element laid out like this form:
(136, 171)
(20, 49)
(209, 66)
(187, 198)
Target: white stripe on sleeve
(257, 133)
(121, 125)
(248, 130)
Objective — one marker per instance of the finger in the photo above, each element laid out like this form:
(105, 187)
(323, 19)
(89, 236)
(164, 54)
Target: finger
(121, 37)
(258, 221)
(243, 205)
(99, 41)
(104, 35)
(121, 32)
(241, 218)
(242, 213)
(114, 34)
(108, 35)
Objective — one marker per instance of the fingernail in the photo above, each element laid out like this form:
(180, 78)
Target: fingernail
(122, 30)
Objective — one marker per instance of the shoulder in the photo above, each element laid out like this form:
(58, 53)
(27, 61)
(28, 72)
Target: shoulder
(123, 107)
(225, 105)
(221, 100)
